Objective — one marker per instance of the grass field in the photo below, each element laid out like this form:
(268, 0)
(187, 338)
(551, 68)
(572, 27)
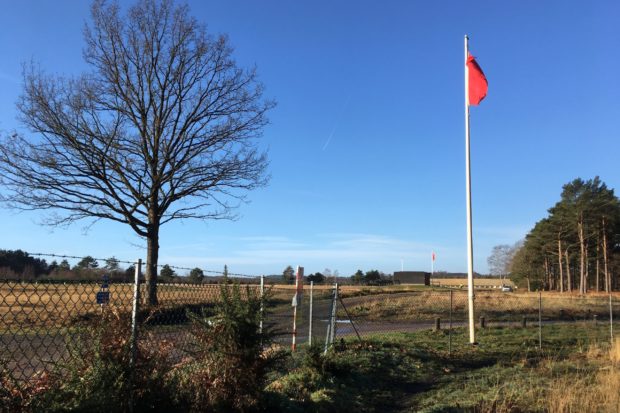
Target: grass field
(31, 305)
(413, 372)
(423, 371)
(56, 305)
(493, 305)
(478, 282)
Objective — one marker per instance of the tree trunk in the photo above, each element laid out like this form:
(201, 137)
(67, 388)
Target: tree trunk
(528, 284)
(586, 273)
(598, 265)
(605, 269)
(560, 263)
(582, 256)
(569, 280)
(152, 255)
(547, 280)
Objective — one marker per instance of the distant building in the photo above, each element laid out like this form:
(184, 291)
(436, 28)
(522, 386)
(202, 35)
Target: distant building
(412, 277)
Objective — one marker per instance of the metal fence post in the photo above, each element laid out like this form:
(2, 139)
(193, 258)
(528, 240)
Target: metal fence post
(329, 336)
(299, 286)
(310, 315)
(450, 329)
(329, 325)
(334, 315)
(134, 330)
(540, 320)
(262, 303)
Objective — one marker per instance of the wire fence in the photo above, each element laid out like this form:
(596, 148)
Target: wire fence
(538, 316)
(39, 321)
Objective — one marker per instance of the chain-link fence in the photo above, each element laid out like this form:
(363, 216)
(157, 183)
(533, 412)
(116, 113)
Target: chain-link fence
(537, 315)
(39, 321)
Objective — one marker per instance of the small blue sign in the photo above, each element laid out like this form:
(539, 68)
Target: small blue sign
(103, 297)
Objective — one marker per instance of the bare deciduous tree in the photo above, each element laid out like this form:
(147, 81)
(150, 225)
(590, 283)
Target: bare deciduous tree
(162, 127)
(500, 259)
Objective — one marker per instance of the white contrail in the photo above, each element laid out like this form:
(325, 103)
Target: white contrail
(329, 139)
(331, 135)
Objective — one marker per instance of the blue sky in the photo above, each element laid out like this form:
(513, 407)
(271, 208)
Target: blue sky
(367, 142)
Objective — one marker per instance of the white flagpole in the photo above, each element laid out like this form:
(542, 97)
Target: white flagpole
(470, 243)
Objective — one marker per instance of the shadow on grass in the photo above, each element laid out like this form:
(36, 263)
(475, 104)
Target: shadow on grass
(383, 374)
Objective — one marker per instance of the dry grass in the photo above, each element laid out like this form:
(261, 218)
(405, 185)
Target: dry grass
(353, 289)
(26, 305)
(614, 352)
(494, 305)
(589, 394)
(455, 282)
(590, 391)
(31, 305)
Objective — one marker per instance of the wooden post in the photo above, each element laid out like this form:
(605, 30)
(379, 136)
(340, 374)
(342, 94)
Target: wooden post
(437, 324)
(482, 322)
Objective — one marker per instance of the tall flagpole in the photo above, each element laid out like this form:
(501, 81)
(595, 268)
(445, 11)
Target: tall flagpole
(470, 243)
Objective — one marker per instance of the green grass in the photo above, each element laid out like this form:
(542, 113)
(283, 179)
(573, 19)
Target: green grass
(414, 372)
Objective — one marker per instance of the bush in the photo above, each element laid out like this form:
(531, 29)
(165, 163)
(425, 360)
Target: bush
(98, 377)
(227, 367)
(312, 370)
(231, 357)
(18, 396)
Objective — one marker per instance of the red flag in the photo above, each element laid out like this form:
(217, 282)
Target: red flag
(478, 84)
(433, 255)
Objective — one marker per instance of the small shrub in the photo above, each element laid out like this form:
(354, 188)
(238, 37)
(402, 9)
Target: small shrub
(98, 377)
(231, 358)
(18, 396)
(309, 383)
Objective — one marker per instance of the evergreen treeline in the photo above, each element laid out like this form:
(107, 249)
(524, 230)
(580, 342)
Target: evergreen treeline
(576, 247)
(19, 265)
(19, 262)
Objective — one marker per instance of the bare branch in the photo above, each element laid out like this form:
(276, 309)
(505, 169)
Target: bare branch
(163, 126)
